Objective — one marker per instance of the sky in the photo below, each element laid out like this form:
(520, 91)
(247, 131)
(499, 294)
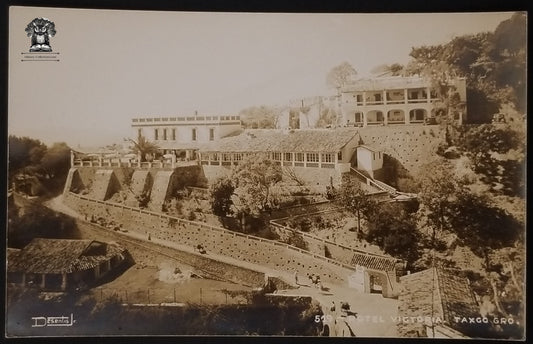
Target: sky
(116, 65)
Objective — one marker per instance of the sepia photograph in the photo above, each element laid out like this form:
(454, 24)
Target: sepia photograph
(182, 173)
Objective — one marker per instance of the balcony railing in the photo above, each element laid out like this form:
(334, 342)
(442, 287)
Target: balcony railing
(131, 163)
(395, 102)
(197, 119)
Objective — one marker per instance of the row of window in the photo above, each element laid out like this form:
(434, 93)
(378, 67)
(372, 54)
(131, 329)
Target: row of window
(276, 156)
(170, 134)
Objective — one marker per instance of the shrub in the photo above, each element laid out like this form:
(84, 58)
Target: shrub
(304, 201)
(304, 224)
(296, 239)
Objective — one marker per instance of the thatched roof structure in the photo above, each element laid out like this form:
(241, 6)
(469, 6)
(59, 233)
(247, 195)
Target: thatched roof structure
(56, 256)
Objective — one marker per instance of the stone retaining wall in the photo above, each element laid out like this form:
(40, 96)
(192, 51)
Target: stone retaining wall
(411, 145)
(247, 248)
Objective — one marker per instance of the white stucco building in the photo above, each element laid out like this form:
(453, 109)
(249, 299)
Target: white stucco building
(185, 133)
(394, 100)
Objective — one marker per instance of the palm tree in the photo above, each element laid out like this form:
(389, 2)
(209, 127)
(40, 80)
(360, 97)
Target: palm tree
(143, 147)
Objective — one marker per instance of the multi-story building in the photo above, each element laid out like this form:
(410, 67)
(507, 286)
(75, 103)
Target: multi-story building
(174, 134)
(394, 100)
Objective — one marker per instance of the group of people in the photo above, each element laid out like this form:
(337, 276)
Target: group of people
(315, 280)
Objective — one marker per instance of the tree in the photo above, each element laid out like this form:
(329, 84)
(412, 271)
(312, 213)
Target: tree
(23, 152)
(37, 221)
(497, 154)
(328, 118)
(143, 147)
(221, 192)
(438, 190)
(354, 199)
(56, 160)
(340, 75)
(394, 69)
(394, 230)
(494, 64)
(485, 228)
(254, 178)
(482, 226)
(260, 117)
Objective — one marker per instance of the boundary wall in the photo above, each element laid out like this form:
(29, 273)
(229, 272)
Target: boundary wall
(381, 270)
(247, 248)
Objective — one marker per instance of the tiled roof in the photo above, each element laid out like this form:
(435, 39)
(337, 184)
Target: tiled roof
(12, 254)
(457, 298)
(176, 145)
(60, 256)
(373, 262)
(273, 140)
(437, 293)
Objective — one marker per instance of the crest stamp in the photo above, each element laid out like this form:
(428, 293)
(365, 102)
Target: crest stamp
(40, 30)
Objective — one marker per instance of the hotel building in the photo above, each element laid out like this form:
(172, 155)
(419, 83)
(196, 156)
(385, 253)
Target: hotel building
(394, 100)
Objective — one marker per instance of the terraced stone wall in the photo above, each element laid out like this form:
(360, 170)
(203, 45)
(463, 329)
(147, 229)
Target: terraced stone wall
(247, 248)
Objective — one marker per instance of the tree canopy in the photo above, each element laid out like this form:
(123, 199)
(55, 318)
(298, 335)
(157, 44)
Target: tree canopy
(439, 188)
(394, 69)
(221, 192)
(260, 117)
(247, 191)
(253, 179)
(353, 198)
(33, 158)
(339, 75)
(497, 153)
(394, 230)
(482, 226)
(494, 64)
(144, 148)
(23, 152)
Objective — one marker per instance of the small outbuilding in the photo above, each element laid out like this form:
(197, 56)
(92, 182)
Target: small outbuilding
(369, 159)
(61, 264)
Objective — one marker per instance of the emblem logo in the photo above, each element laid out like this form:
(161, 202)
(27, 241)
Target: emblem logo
(40, 30)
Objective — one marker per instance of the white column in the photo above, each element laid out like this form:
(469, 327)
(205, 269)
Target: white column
(385, 97)
(405, 95)
(63, 281)
(428, 94)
